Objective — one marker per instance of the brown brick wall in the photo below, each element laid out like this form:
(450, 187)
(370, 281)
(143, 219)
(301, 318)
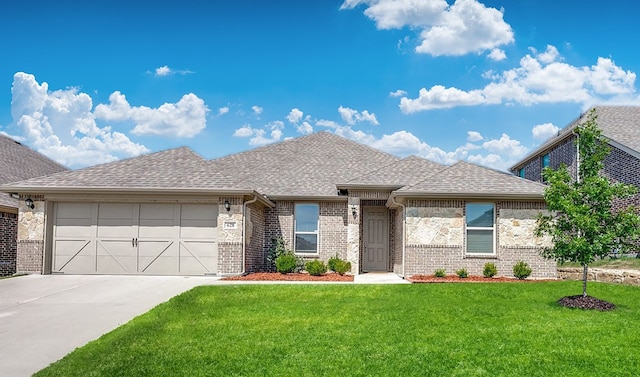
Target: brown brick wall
(8, 243)
(229, 258)
(29, 256)
(333, 230)
(254, 250)
(622, 167)
(563, 153)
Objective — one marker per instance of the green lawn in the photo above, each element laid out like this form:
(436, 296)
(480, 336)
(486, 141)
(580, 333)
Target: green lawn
(463, 329)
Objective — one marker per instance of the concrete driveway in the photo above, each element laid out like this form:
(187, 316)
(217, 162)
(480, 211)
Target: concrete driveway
(44, 317)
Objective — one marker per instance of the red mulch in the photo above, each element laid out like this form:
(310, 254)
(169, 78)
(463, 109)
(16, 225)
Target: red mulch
(457, 279)
(276, 276)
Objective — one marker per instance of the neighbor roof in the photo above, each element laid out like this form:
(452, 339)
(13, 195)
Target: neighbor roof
(405, 172)
(308, 166)
(18, 162)
(464, 179)
(619, 124)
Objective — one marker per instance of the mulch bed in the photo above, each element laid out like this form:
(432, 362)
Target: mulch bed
(586, 302)
(276, 276)
(468, 279)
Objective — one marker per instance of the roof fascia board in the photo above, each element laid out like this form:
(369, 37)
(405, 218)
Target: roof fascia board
(449, 195)
(310, 198)
(357, 186)
(624, 148)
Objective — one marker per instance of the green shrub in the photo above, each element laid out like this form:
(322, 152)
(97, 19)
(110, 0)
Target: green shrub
(338, 265)
(490, 270)
(342, 267)
(315, 267)
(521, 270)
(286, 263)
(440, 273)
(462, 273)
(332, 262)
(278, 248)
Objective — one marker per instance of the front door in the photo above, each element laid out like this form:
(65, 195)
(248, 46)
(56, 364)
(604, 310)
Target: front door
(375, 239)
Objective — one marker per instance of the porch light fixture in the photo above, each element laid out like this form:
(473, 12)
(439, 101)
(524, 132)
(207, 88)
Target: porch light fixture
(354, 211)
(29, 203)
(227, 206)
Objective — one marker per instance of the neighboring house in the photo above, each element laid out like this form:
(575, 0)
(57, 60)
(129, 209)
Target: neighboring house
(620, 125)
(17, 162)
(174, 213)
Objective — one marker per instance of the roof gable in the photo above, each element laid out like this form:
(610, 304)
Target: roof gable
(405, 172)
(470, 180)
(306, 166)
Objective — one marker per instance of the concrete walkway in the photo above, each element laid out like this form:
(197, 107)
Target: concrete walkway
(44, 317)
(379, 278)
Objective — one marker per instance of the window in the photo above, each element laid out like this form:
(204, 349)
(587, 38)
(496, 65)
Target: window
(306, 228)
(545, 160)
(480, 228)
(521, 173)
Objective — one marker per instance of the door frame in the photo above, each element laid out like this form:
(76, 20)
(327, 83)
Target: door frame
(387, 244)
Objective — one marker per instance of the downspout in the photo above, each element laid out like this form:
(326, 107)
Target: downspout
(244, 226)
(404, 233)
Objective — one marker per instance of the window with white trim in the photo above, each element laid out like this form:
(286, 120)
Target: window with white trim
(306, 219)
(480, 228)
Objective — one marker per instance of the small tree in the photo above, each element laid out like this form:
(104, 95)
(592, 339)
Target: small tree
(582, 223)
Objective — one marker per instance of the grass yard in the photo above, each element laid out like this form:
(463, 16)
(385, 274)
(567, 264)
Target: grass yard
(462, 329)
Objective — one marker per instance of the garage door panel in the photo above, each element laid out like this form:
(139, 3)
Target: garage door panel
(132, 238)
(74, 256)
(159, 257)
(198, 257)
(116, 257)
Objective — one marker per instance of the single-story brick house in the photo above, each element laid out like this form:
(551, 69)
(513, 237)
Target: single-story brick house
(175, 213)
(620, 125)
(17, 163)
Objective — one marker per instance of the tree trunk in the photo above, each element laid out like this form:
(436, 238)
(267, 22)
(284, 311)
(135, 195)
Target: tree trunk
(584, 280)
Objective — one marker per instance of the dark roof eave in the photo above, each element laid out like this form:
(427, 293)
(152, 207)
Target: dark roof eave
(39, 190)
(467, 195)
(363, 186)
(309, 198)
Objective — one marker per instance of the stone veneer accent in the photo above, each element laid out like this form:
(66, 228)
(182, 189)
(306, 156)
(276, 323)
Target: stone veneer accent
(8, 243)
(436, 233)
(30, 241)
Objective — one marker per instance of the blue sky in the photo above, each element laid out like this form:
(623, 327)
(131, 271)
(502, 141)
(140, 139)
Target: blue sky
(482, 81)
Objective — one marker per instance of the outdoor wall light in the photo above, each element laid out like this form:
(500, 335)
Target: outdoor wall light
(227, 206)
(354, 211)
(29, 203)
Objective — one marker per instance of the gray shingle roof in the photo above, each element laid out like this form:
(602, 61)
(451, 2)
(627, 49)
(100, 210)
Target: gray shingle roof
(179, 168)
(405, 172)
(18, 162)
(464, 179)
(306, 166)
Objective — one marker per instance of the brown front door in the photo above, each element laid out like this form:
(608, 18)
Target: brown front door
(375, 239)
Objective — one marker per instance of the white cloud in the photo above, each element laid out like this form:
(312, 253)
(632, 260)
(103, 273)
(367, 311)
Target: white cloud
(327, 123)
(506, 146)
(166, 71)
(550, 55)
(304, 128)
(398, 93)
(60, 125)
(474, 136)
(163, 71)
(295, 115)
(466, 26)
(223, 110)
(257, 135)
(257, 110)
(533, 82)
(185, 118)
(497, 55)
(351, 116)
(14, 137)
(544, 131)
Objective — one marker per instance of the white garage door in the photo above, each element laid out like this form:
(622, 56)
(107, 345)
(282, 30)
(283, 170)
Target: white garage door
(130, 238)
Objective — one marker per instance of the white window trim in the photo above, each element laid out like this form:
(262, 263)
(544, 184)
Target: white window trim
(493, 230)
(295, 232)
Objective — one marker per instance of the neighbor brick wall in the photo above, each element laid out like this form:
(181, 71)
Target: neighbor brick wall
(622, 167)
(562, 153)
(8, 243)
